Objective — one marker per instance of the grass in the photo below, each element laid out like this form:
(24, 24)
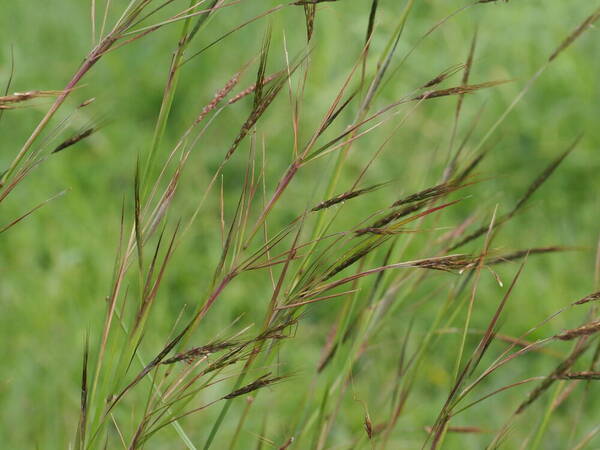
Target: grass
(299, 225)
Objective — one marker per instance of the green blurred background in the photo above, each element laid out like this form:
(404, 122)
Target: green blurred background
(57, 265)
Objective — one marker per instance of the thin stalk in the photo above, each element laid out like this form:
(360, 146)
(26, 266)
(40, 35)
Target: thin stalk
(546, 419)
(167, 101)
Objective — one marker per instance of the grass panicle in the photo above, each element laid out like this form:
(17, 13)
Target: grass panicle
(278, 182)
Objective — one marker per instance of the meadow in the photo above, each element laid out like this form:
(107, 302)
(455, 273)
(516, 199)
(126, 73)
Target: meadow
(333, 225)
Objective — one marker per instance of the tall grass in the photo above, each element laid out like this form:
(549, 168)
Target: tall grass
(378, 263)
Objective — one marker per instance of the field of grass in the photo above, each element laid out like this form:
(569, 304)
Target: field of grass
(376, 360)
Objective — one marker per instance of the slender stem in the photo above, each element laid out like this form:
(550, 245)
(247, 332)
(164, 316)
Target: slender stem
(88, 63)
(167, 102)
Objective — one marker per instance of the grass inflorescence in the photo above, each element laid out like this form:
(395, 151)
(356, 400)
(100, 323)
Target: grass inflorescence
(377, 253)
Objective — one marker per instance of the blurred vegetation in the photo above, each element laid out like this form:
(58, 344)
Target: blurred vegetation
(57, 265)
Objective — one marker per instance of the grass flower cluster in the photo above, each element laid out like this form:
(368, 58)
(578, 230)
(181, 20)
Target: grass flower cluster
(390, 281)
